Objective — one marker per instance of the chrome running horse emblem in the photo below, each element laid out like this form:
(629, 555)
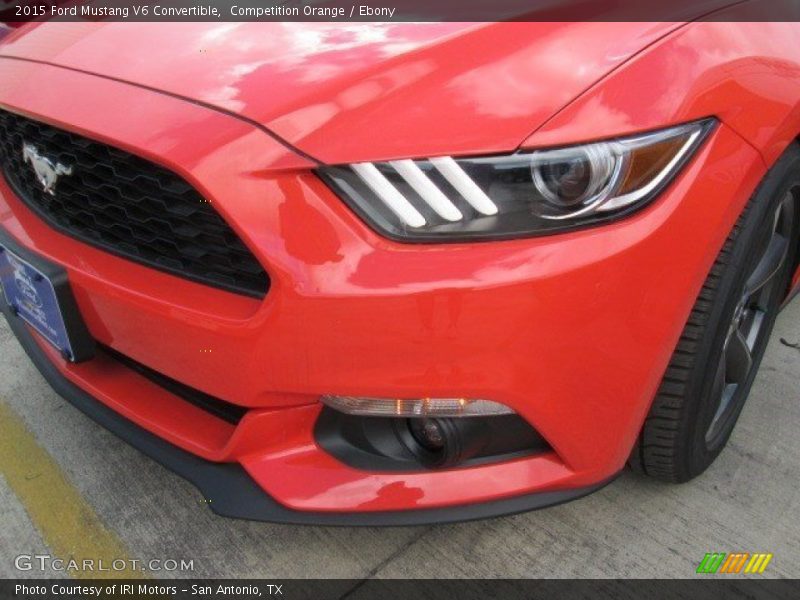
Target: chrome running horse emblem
(47, 171)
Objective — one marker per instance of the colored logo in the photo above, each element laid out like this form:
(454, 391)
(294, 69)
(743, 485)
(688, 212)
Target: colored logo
(24, 284)
(734, 563)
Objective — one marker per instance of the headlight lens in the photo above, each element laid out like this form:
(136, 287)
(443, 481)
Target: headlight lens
(443, 199)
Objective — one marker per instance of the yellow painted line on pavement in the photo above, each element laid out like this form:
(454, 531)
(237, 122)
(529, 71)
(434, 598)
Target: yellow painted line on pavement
(67, 523)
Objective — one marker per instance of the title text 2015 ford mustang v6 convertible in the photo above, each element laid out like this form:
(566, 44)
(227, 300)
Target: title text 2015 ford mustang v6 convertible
(371, 273)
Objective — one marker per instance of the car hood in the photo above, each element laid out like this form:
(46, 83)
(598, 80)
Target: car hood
(345, 92)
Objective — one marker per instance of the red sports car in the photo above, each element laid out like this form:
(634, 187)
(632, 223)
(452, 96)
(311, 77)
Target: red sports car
(395, 273)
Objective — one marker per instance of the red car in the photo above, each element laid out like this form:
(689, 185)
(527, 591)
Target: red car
(395, 273)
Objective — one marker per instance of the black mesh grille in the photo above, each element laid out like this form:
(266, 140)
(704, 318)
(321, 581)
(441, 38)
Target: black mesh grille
(128, 206)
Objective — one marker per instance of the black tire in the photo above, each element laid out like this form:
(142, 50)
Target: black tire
(708, 378)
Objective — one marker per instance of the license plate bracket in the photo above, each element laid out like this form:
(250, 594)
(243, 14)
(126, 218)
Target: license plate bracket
(37, 291)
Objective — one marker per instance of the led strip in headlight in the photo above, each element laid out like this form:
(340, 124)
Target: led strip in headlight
(526, 193)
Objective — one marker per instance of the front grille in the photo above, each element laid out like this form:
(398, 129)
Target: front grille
(127, 206)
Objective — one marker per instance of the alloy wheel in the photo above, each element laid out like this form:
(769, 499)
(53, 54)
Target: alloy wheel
(748, 328)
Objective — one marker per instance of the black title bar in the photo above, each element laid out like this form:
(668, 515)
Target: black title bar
(701, 588)
(19, 11)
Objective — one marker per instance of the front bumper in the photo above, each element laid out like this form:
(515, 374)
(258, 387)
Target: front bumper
(230, 492)
(573, 331)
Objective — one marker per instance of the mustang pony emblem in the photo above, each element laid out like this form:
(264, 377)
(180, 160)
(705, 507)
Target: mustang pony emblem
(47, 172)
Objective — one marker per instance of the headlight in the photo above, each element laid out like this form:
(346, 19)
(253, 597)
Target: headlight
(443, 199)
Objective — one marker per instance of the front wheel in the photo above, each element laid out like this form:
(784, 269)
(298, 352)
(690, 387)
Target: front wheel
(712, 369)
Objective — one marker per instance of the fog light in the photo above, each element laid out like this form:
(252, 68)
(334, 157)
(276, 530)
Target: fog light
(418, 407)
(445, 442)
(427, 433)
(407, 445)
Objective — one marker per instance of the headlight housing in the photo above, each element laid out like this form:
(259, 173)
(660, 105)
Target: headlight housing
(443, 199)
